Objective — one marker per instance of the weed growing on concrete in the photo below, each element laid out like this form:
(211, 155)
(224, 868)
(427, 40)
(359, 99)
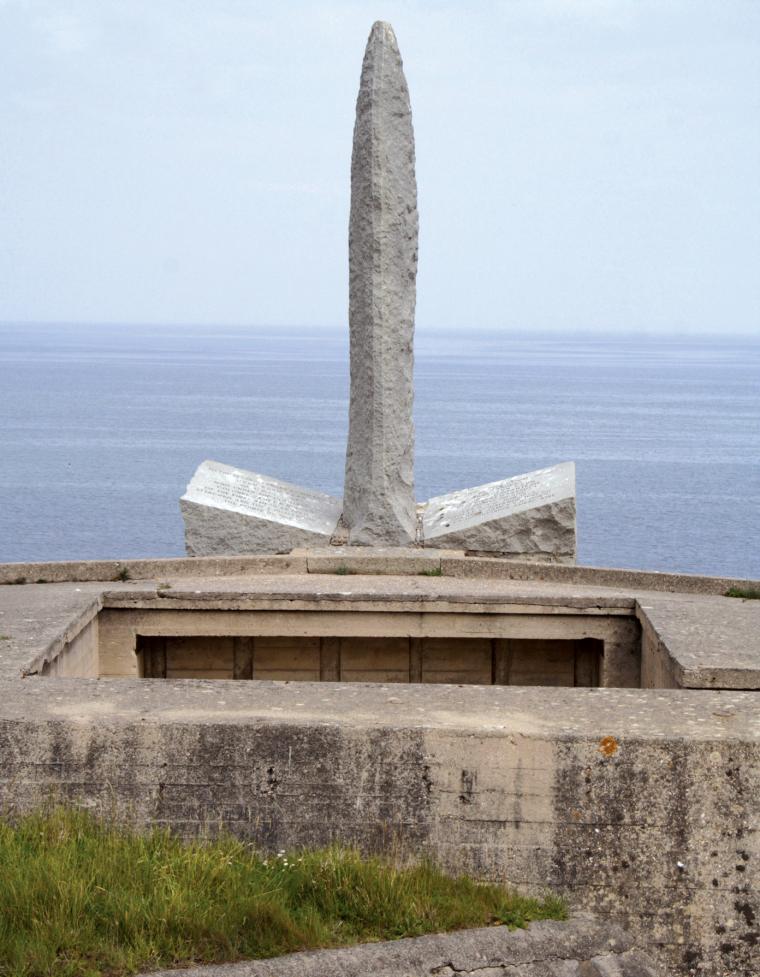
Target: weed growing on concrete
(5, 637)
(343, 570)
(746, 593)
(164, 586)
(123, 574)
(434, 572)
(87, 897)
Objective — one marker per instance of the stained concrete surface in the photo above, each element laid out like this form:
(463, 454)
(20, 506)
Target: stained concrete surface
(713, 642)
(578, 948)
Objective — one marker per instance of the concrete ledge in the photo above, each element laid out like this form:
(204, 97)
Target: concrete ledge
(709, 643)
(683, 583)
(579, 948)
(366, 561)
(78, 571)
(377, 560)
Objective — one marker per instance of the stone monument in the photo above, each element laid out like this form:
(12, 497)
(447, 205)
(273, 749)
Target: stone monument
(231, 511)
(378, 497)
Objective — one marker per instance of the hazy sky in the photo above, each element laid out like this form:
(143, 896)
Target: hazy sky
(582, 164)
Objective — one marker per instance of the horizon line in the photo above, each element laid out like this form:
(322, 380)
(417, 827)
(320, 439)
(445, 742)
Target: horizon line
(559, 332)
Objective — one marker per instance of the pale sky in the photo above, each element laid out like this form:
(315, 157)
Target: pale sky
(582, 164)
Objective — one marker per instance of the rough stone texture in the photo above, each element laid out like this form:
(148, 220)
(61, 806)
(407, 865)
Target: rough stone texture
(544, 534)
(578, 948)
(529, 516)
(629, 964)
(379, 505)
(230, 511)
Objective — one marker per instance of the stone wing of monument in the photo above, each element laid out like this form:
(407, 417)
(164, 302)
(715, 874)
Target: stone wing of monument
(228, 511)
(529, 516)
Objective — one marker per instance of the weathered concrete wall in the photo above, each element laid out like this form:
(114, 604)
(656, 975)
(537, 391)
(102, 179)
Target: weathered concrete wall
(78, 658)
(644, 812)
(657, 668)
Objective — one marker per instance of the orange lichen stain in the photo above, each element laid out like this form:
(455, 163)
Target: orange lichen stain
(608, 746)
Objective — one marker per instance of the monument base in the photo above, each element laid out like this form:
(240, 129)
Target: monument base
(228, 511)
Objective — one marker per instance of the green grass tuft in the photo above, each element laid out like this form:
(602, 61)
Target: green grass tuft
(746, 593)
(435, 572)
(83, 898)
(123, 574)
(343, 570)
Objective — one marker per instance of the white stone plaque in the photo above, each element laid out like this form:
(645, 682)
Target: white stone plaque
(231, 511)
(478, 516)
(267, 498)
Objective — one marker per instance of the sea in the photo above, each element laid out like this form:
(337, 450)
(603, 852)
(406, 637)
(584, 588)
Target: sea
(102, 426)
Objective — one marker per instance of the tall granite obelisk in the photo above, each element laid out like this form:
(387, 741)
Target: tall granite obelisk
(378, 501)
(230, 510)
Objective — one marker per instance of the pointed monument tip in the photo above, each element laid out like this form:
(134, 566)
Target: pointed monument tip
(383, 31)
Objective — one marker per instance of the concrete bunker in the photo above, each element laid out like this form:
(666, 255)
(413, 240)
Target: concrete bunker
(552, 647)
(381, 629)
(652, 775)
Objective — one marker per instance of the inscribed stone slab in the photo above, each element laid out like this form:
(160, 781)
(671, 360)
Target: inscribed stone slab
(228, 511)
(530, 515)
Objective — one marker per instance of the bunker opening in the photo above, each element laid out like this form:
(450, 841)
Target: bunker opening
(456, 661)
(531, 649)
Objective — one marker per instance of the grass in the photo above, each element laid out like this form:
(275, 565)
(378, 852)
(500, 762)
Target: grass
(435, 572)
(747, 593)
(83, 898)
(123, 574)
(343, 570)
